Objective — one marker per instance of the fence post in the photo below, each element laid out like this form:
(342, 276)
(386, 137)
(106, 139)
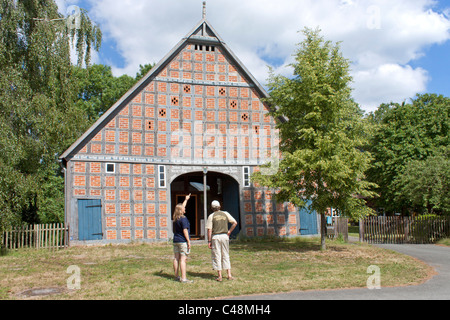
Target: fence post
(14, 232)
(53, 237)
(47, 235)
(22, 233)
(347, 223)
(66, 235)
(406, 228)
(58, 239)
(361, 230)
(38, 236)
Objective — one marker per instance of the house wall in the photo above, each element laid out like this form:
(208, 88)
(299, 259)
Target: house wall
(199, 110)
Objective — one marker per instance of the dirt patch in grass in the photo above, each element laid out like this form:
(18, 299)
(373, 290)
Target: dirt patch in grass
(41, 292)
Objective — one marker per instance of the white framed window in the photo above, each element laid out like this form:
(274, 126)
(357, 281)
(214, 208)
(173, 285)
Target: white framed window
(162, 176)
(246, 177)
(110, 168)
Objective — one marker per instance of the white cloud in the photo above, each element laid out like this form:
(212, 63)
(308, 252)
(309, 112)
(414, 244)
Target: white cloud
(394, 83)
(380, 37)
(62, 5)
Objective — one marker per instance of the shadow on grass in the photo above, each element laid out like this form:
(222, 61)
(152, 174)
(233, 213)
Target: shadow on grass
(189, 274)
(299, 245)
(3, 251)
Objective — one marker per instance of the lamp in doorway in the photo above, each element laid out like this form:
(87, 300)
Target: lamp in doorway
(219, 186)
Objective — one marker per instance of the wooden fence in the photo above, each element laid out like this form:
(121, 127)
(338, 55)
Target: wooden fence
(39, 236)
(399, 230)
(339, 227)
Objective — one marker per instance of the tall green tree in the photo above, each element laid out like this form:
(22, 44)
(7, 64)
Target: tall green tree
(37, 95)
(99, 89)
(322, 133)
(426, 184)
(404, 133)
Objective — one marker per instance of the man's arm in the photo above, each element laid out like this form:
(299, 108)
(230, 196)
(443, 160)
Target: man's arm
(232, 221)
(209, 226)
(209, 238)
(232, 228)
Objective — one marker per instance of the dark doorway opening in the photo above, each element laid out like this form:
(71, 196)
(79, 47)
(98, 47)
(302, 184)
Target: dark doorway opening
(220, 187)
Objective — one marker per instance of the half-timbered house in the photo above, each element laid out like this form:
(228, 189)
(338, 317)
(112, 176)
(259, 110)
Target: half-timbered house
(197, 124)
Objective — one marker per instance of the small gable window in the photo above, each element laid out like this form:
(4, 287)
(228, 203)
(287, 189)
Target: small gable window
(110, 168)
(246, 179)
(199, 47)
(162, 176)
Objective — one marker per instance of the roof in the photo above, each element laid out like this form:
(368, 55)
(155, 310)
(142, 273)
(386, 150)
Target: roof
(202, 33)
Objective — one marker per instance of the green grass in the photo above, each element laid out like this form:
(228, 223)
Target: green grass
(445, 242)
(353, 231)
(144, 271)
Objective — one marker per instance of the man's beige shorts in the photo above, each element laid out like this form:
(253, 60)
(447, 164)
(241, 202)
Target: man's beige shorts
(181, 248)
(220, 252)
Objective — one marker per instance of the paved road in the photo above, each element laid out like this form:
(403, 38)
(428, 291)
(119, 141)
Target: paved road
(437, 288)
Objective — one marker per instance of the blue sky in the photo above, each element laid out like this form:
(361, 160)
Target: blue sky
(436, 59)
(397, 47)
(437, 62)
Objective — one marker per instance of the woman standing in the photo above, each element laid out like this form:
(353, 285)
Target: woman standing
(181, 241)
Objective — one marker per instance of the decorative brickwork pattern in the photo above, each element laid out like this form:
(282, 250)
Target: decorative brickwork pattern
(132, 207)
(175, 120)
(199, 109)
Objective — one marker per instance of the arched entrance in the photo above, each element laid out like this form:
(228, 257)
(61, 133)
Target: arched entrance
(220, 187)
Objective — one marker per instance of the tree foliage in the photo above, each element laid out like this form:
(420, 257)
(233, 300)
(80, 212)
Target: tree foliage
(98, 89)
(37, 94)
(426, 183)
(321, 135)
(406, 136)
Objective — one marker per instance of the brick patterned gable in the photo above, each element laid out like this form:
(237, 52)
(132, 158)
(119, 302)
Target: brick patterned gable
(198, 106)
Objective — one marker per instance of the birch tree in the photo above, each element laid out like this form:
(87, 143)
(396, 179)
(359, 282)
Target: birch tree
(37, 94)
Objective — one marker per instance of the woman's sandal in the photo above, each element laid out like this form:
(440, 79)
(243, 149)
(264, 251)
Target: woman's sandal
(219, 279)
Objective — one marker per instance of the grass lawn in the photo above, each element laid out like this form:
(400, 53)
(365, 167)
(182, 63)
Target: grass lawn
(353, 231)
(445, 242)
(144, 271)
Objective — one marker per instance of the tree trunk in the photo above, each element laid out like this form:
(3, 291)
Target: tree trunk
(323, 231)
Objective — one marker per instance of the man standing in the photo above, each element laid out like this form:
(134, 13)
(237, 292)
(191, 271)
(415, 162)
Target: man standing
(219, 239)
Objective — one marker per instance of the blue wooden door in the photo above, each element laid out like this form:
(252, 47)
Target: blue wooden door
(308, 222)
(90, 220)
